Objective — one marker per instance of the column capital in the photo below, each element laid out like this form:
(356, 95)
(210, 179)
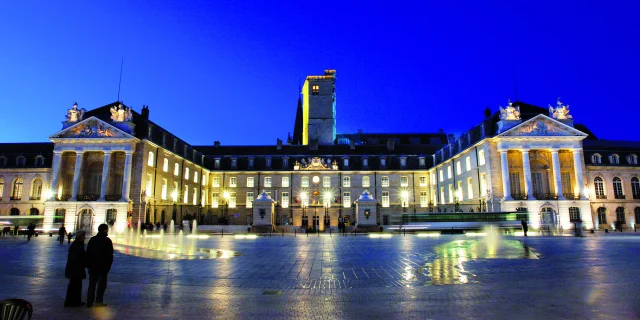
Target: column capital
(525, 150)
(574, 150)
(554, 150)
(107, 152)
(127, 152)
(503, 150)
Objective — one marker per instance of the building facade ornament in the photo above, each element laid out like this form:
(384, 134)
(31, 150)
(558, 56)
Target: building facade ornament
(560, 112)
(510, 112)
(74, 114)
(90, 129)
(314, 164)
(121, 114)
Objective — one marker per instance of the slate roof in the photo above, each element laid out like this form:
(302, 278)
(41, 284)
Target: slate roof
(30, 151)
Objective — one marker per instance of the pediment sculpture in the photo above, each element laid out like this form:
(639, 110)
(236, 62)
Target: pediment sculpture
(315, 163)
(539, 127)
(74, 114)
(560, 112)
(510, 112)
(121, 114)
(91, 129)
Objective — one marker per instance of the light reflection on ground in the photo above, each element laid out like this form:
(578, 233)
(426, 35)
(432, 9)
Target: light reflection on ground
(198, 254)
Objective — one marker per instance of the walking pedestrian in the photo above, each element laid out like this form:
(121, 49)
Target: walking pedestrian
(75, 270)
(99, 260)
(15, 230)
(30, 230)
(525, 228)
(62, 232)
(69, 237)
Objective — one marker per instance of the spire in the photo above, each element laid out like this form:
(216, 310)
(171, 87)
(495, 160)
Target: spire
(297, 127)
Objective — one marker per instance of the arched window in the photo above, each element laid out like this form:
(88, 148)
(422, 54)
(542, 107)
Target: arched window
(614, 159)
(36, 189)
(34, 212)
(14, 212)
(617, 188)
(16, 193)
(620, 217)
(602, 215)
(39, 162)
(632, 159)
(150, 159)
(596, 158)
(635, 187)
(1, 188)
(20, 161)
(599, 188)
(3, 161)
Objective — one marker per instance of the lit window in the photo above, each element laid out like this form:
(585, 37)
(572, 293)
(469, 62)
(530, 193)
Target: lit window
(385, 181)
(267, 182)
(195, 196)
(614, 159)
(481, 160)
(635, 189)
(423, 199)
(346, 199)
(250, 182)
(185, 199)
(186, 173)
(204, 179)
(633, 159)
(483, 184)
(285, 199)
(459, 191)
(422, 180)
(176, 169)
(216, 163)
(268, 162)
(326, 182)
(315, 90)
(305, 182)
(147, 192)
(442, 195)
(574, 214)
(250, 199)
(1, 188)
(165, 165)
(450, 193)
(458, 168)
(150, 159)
(421, 162)
(233, 182)
(449, 172)
(174, 193)
(441, 174)
(366, 182)
(617, 188)
(345, 162)
(195, 176)
(470, 188)
(36, 189)
(346, 182)
(215, 182)
(285, 182)
(468, 163)
(404, 181)
(596, 158)
(232, 200)
(385, 199)
(163, 193)
(214, 200)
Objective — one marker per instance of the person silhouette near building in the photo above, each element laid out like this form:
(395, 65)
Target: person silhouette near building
(30, 230)
(99, 260)
(525, 228)
(74, 270)
(62, 232)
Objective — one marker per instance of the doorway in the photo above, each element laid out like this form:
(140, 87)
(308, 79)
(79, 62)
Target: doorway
(84, 220)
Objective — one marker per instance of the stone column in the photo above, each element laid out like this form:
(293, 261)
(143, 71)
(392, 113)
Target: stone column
(577, 168)
(528, 188)
(557, 177)
(55, 179)
(76, 176)
(506, 184)
(105, 175)
(126, 181)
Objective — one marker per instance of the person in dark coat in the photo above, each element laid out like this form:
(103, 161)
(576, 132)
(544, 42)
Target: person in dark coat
(525, 228)
(75, 271)
(62, 232)
(99, 260)
(30, 230)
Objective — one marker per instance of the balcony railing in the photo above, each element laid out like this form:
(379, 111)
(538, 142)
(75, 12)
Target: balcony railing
(571, 196)
(64, 197)
(519, 196)
(601, 196)
(15, 198)
(620, 196)
(34, 198)
(112, 197)
(635, 196)
(88, 197)
(546, 196)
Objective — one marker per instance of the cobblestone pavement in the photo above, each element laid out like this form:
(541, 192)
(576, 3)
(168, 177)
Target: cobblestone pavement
(403, 277)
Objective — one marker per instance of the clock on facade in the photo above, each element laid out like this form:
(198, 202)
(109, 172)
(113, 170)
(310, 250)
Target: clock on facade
(315, 179)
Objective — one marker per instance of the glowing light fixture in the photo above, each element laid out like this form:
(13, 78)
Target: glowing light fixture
(380, 235)
(245, 236)
(428, 235)
(226, 195)
(174, 195)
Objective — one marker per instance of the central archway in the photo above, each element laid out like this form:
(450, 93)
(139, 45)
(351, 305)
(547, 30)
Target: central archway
(85, 220)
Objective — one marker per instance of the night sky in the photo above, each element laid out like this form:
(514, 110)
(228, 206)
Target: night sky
(231, 70)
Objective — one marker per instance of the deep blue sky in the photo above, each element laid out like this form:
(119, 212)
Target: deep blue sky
(230, 70)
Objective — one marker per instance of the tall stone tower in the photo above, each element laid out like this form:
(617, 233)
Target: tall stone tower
(319, 108)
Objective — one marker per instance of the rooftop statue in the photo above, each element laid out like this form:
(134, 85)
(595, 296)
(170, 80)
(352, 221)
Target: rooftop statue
(560, 112)
(510, 112)
(74, 114)
(121, 114)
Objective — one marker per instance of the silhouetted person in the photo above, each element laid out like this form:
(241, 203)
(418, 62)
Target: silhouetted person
(99, 260)
(62, 232)
(69, 237)
(15, 231)
(30, 230)
(525, 228)
(75, 270)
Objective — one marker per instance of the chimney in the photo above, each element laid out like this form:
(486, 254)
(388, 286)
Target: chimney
(391, 144)
(278, 144)
(216, 143)
(145, 112)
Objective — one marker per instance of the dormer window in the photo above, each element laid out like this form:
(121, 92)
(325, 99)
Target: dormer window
(216, 163)
(315, 90)
(383, 162)
(234, 162)
(3, 162)
(632, 159)
(251, 162)
(150, 132)
(596, 158)
(164, 139)
(268, 162)
(365, 162)
(422, 162)
(345, 162)
(39, 161)
(175, 145)
(614, 159)
(285, 162)
(403, 162)
(184, 150)
(20, 161)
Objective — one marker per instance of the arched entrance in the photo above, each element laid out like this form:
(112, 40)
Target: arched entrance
(548, 218)
(85, 220)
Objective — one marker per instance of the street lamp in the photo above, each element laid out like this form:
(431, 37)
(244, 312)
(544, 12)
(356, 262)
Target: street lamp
(405, 200)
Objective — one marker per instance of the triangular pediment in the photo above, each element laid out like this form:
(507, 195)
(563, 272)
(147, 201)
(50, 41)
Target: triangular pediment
(542, 126)
(92, 128)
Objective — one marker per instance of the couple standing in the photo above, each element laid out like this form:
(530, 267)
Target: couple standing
(98, 259)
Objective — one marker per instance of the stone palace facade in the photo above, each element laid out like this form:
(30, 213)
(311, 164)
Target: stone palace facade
(114, 165)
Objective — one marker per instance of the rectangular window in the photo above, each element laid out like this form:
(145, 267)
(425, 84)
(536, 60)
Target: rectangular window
(250, 182)
(514, 181)
(458, 168)
(149, 186)
(174, 192)
(483, 184)
(346, 182)
(423, 181)
(285, 199)
(468, 163)
(150, 159)
(163, 194)
(441, 174)
(449, 172)
(366, 183)
(315, 90)
(304, 182)
(176, 169)
(404, 181)
(204, 179)
(481, 160)
(250, 199)
(232, 200)
(165, 165)
(195, 176)
(574, 214)
(186, 173)
(567, 188)
(216, 163)
(459, 191)
(185, 199)
(450, 193)
(470, 188)
(385, 199)
(326, 182)
(215, 182)
(385, 181)
(233, 182)
(267, 182)
(442, 195)
(346, 199)
(345, 161)
(195, 196)
(424, 202)
(214, 200)
(285, 182)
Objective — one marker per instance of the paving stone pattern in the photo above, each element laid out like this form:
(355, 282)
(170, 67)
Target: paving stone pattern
(404, 277)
